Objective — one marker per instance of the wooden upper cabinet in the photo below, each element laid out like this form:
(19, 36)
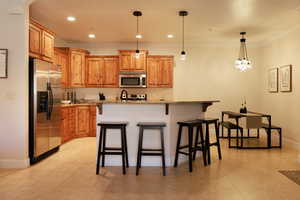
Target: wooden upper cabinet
(129, 63)
(35, 39)
(111, 72)
(82, 121)
(102, 71)
(77, 68)
(160, 71)
(94, 68)
(61, 64)
(47, 46)
(41, 42)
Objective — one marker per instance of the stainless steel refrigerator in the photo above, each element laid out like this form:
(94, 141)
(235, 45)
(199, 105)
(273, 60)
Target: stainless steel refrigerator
(45, 96)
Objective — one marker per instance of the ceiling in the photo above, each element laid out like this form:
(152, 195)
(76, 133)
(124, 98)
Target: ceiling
(208, 20)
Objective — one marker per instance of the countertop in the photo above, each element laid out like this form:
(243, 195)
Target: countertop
(92, 102)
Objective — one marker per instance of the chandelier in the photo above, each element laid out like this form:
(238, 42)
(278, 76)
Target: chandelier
(243, 63)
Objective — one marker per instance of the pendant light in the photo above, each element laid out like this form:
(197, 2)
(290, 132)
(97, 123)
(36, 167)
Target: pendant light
(138, 36)
(183, 53)
(243, 63)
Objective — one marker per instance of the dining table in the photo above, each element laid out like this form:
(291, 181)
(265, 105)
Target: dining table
(249, 120)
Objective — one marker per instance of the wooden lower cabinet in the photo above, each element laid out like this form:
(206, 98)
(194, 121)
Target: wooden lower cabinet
(82, 121)
(93, 121)
(78, 121)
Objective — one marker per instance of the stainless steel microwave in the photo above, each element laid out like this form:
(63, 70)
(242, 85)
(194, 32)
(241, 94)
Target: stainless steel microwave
(132, 80)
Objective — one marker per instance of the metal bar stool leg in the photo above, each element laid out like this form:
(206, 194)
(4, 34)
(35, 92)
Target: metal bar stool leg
(280, 139)
(104, 147)
(99, 150)
(163, 151)
(178, 145)
(190, 148)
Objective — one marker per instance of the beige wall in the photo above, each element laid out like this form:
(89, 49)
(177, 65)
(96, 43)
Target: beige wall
(207, 74)
(284, 107)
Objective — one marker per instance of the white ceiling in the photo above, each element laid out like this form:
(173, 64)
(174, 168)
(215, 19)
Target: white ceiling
(208, 20)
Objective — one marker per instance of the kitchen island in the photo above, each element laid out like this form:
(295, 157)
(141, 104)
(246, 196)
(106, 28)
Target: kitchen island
(133, 112)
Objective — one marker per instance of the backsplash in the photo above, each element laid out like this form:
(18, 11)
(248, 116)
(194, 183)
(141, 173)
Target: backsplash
(113, 93)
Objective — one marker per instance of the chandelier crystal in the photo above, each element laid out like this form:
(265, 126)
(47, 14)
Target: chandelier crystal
(243, 63)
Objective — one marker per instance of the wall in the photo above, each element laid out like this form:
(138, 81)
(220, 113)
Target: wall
(207, 74)
(14, 90)
(284, 107)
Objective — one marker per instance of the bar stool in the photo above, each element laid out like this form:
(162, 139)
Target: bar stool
(208, 144)
(150, 152)
(190, 125)
(103, 150)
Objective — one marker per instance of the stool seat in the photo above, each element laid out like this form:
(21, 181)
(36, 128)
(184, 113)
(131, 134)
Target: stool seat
(208, 120)
(120, 123)
(152, 124)
(193, 122)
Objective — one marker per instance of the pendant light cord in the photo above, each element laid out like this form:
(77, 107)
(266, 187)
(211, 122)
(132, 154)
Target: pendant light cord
(182, 33)
(137, 32)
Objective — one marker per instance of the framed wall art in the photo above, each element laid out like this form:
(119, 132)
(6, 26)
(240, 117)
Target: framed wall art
(3, 63)
(273, 80)
(285, 75)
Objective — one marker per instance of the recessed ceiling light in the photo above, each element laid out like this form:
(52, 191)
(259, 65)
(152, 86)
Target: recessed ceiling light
(92, 35)
(71, 18)
(139, 36)
(170, 36)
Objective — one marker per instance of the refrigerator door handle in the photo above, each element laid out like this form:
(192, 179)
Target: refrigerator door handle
(50, 102)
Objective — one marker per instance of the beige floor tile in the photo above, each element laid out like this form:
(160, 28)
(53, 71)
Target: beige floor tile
(70, 174)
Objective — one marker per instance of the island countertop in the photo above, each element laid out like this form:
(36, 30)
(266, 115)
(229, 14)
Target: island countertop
(95, 102)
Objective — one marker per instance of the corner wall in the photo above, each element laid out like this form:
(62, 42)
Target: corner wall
(14, 89)
(284, 107)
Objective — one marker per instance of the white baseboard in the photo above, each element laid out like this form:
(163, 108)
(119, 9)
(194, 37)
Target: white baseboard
(14, 163)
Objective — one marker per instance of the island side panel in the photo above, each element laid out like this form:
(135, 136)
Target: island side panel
(134, 113)
(182, 112)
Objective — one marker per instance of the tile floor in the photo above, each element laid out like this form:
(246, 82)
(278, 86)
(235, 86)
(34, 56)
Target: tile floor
(70, 174)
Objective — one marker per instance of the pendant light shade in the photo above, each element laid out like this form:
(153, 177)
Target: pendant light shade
(183, 53)
(243, 63)
(138, 36)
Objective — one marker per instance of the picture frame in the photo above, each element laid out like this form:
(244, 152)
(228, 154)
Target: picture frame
(273, 80)
(285, 75)
(3, 63)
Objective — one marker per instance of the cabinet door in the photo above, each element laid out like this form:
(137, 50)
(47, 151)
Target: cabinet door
(140, 63)
(47, 46)
(126, 61)
(93, 113)
(94, 72)
(77, 69)
(152, 72)
(110, 72)
(72, 122)
(83, 121)
(64, 70)
(165, 76)
(35, 38)
(64, 125)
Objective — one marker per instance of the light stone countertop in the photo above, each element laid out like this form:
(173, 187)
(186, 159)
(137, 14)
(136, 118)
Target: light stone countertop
(93, 102)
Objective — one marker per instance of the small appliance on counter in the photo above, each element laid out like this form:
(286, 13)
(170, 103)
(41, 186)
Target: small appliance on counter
(101, 97)
(132, 97)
